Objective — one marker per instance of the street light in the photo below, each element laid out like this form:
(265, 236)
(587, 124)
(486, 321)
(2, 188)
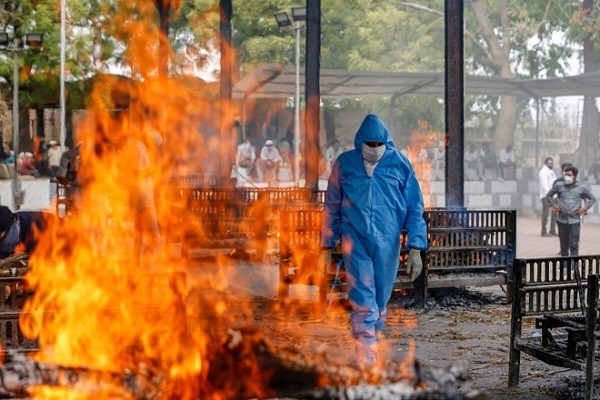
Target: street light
(15, 45)
(283, 20)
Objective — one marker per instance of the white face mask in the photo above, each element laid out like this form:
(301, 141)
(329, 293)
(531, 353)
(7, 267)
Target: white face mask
(372, 154)
(371, 157)
(569, 180)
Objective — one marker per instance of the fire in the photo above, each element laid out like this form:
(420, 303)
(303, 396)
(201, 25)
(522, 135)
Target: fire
(420, 140)
(108, 296)
(407, 365)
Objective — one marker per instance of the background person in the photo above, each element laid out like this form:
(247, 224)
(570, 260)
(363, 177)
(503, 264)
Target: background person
(244, 161)
(285, 173)
(473, 162)
(546, 178)
(488, 158)
(27, 166)
(245, 154)
(54, 154)
(332, 153)
(506, 159)
(268, 163)
(372, 195)
(439, 162)
(571, 203)
(17, 230)
(561, 178)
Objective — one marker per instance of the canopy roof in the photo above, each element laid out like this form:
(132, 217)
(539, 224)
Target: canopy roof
(278, 81)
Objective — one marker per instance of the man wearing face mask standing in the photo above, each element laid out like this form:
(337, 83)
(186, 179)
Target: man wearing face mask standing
(372, 195)
(572, 202)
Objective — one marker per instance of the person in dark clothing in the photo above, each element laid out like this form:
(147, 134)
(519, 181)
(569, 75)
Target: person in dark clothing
(18, 230)
(572, 202)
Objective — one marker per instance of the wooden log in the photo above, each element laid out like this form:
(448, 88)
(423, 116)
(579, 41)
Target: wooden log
(279, 373)
(245, 366)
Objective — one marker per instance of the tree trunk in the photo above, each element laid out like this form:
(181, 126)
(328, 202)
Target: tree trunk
(499, 57)
(588, 142)
(228, 135)
(163, 7)
(504, 133)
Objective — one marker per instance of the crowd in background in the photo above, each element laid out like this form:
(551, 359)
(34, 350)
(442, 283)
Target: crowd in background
(273, 161)
(43, 161)
(480, 162)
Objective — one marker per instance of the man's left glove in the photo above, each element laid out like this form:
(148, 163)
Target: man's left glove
(414, 266)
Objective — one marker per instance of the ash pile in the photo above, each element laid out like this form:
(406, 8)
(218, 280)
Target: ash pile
(247, 366)
(452, 298)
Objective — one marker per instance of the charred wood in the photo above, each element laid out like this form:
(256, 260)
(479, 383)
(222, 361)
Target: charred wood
(19, 374)
(245, 365)
(277, 373)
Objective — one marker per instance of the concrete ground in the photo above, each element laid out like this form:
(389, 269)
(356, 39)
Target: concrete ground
(437, 336)
(530, 243)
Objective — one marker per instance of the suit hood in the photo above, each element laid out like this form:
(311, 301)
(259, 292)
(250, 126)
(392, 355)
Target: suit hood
(372, 129)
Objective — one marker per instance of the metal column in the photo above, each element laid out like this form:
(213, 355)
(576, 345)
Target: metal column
(454, 103)
(228, 137)
(312, 116)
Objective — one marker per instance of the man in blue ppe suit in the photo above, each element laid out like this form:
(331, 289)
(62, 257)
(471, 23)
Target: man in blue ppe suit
(372, 195)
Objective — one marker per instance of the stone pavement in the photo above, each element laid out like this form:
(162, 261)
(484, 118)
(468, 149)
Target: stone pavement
(530, 243)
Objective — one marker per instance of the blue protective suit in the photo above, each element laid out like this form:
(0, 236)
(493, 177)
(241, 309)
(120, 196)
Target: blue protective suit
(368, 213)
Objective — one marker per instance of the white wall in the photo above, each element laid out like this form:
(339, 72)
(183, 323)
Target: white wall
(39, 193)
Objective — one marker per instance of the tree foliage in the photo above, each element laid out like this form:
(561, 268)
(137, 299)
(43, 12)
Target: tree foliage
(518, 38)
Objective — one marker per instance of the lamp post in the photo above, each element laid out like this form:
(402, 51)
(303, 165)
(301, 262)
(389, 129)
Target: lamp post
(14, 45)
(283, 20)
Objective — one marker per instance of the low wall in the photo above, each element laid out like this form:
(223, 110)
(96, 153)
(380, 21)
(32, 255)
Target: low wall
(39, 193)
(521, 194)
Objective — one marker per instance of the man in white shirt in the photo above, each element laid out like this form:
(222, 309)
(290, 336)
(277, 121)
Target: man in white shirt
(54, 155)
(547, 178)
(245, 154)
(439, 162)
(268, 163)
(506, 159)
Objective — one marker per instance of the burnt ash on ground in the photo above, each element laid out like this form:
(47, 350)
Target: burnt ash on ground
(573, 387)
(448, 299)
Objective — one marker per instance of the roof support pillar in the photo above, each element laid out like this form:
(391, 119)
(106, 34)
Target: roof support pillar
(227, 133)
(454, 103)
(312, 117)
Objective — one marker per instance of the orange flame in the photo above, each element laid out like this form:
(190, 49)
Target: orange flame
(107, 294)
(421, 160)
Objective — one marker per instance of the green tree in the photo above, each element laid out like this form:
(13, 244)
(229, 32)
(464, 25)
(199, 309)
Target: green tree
(585, 29)
(502, 38)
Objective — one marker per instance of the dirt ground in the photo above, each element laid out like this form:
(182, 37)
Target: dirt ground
(471, 324)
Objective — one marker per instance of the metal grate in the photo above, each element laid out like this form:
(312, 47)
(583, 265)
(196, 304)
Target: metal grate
(549, 285)
(470, 240)
(13, 295)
